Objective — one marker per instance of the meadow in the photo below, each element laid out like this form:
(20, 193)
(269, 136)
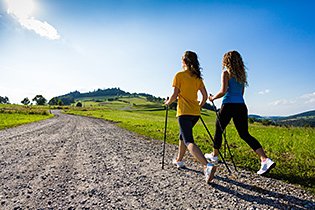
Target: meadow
(13, 115)
(292, 148)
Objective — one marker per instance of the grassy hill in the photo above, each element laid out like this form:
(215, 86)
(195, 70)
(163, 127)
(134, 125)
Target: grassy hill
(305, 119)
(302, 119)
(99, 95)
(122, 103)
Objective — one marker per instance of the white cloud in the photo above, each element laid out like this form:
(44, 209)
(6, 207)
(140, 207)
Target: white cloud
(308, 98)
(263, 92)
(282, 102)
(21, 11)
(42, 28)
(307, 101)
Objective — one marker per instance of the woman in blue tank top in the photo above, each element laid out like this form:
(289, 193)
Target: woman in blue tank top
(233, 82)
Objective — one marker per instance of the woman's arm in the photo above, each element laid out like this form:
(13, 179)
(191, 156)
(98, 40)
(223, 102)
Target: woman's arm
(224, 86)
(204, 96)
(173, 97)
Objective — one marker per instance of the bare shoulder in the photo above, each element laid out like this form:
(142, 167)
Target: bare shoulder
(225, 74)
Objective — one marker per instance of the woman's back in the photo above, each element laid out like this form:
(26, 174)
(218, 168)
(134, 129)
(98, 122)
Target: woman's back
(187, 98)
(234, 93)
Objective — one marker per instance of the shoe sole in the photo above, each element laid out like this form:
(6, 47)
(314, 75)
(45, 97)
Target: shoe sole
(213, 162)
(269, 169)
(210, 178)
(177, 166)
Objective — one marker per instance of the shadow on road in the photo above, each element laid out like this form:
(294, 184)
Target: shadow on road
(262, 196)
(191, 170)
(273, 200)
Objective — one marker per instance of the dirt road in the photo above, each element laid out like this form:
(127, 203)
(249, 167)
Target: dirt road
(72, 162)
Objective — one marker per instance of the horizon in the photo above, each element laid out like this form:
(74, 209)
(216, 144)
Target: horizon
(51, 48)
(160, 97)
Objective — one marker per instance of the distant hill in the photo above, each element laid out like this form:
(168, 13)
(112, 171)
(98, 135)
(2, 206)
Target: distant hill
(108, 94)
(99, 94)
(96, 93)
(302, 119)
(305, 119)
(304, 114)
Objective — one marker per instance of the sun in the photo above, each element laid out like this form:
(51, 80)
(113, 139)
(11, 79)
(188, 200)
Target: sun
(21, 9)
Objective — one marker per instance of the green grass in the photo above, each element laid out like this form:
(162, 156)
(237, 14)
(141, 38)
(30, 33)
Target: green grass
(125, 103)
(293, 149)
(14, 115)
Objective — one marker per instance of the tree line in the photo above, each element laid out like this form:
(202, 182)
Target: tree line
(38, 99)
(4, 100)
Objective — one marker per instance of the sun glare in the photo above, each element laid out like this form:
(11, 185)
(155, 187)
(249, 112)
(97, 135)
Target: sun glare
(21, 9)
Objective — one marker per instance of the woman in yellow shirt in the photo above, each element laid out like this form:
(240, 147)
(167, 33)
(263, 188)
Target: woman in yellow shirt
(186, 85)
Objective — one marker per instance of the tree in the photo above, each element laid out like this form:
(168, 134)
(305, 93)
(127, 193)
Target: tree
(79, 104)
(40, 100)
(251, 120)
(66, 100)
(4, 100)
(60, 102)
(26, 101)
(53, 101)
(267, 122)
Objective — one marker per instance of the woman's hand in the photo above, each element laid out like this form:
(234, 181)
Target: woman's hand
(170, 100)
(167, 101)
(211, 98)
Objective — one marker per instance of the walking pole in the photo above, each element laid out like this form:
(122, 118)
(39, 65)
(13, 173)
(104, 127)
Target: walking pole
(224, 136)
(224, 144)
(204, 124)
(164, 135)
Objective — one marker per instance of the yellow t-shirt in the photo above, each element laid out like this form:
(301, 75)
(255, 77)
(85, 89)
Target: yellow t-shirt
(188, 86)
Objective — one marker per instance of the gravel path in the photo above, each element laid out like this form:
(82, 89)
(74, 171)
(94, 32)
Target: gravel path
(73, 162)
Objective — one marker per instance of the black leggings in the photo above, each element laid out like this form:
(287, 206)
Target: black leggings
(239, 114)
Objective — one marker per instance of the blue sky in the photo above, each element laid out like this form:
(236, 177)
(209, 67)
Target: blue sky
(52, 47)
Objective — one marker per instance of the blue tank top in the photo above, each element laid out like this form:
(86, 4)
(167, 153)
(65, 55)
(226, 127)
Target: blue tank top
(234, 92)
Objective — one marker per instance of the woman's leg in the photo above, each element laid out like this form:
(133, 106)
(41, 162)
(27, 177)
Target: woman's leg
(181, 150)
(186, 124)
(223, 119)
(196, 152)
(240, 119)
(261, 153)
(241, 123)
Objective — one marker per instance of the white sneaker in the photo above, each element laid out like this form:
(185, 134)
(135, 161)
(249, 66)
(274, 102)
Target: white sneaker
(266, 166)
(209, 172)
(179, 164)
(213, 159)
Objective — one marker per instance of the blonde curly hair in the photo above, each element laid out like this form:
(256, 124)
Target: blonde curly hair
(233, 63)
